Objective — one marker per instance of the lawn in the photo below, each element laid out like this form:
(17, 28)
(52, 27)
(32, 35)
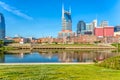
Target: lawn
(72, 45)
(57, 72)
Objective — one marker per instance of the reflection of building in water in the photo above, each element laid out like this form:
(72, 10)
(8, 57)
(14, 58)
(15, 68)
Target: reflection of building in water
(101, 55)
(46, 54)
(20, 55)
(78, 56)
(67, 57)
(84, 56)
(2, 58)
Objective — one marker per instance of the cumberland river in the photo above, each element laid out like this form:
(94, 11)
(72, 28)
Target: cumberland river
(56, 56)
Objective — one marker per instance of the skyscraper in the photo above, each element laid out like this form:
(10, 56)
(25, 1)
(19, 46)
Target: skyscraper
(66, 24)
(2, 27)
(66, 20)
(81, 27)
(94, 23)
(104, 23)
(90, 27)
(117, 28)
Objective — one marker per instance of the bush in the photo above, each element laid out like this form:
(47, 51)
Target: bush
(113, 63)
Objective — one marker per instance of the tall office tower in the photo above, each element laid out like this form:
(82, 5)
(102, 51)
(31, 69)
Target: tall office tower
(117, 28)
(104, 23)
(89, 29)
(66, 24)
(81, 28)
(66, 20)
(94, 23)
(2, 27)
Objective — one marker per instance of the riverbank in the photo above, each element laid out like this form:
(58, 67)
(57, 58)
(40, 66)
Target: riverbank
(57, 72)
(77, 63)
(61, 46)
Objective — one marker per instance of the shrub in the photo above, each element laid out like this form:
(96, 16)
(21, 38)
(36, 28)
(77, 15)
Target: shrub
(113, 63)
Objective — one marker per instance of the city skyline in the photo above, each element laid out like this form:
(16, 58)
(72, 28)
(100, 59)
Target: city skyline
(43, 18)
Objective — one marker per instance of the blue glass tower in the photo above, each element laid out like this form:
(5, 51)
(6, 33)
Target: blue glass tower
(81, 27)
(66, 31)
(2, 27)
(66, 20)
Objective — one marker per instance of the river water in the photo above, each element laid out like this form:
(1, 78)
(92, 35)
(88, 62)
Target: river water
(56, 56)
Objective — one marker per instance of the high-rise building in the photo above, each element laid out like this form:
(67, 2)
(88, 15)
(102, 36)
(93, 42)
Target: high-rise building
(81, 27)
(86, 28)
(117, 28)
(94, 23)
(89, 29)
(2, 27)
(66, 24)
(104, 23)
(66, 20)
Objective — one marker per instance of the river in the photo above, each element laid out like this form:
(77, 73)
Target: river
(56, 56)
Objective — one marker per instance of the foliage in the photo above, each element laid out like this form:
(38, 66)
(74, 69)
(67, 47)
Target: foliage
(1, 43)
(57, 72)
(96, 42)
(6, 48)
(113, 63)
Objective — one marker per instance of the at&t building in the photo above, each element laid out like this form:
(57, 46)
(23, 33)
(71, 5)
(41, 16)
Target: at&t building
(66, 31)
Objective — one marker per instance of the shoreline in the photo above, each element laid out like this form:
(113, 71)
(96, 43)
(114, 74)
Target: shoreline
(60, 46)
(78, 63)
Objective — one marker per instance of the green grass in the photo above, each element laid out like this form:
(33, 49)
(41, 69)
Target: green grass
(71, 45)
(116, 45)
(113, 63)
(57, 72)
(6, 48)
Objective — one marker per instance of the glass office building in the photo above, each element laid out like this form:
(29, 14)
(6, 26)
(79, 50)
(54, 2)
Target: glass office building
(81, 27)
(66, 31)
(66, 20)
(2, 27)
(117, 28)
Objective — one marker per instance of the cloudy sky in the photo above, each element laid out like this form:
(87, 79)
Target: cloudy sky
(40, 18)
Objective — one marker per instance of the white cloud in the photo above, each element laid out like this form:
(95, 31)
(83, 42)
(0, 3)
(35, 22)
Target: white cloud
(14, 11)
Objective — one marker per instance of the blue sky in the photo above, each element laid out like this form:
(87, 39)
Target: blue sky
(40, 18)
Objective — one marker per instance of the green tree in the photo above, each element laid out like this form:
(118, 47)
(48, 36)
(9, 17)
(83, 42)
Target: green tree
(1, 43)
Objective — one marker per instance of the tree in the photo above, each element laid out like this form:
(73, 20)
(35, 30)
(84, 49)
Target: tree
(1, 43)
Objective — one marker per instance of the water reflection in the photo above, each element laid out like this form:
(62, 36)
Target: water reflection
(55, 56)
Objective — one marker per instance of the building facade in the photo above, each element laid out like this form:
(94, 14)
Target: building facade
(90, 27)
(2, 27)
(105, 31)
(104, 23)
(66, 24)
(117, 28)
(81, 28)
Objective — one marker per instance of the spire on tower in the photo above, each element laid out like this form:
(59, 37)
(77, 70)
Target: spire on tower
(70, 9)
(62, 10)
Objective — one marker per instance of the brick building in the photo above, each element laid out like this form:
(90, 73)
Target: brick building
(104, 31)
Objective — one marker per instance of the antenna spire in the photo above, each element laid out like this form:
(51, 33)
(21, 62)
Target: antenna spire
(62, 10)
(70, 9)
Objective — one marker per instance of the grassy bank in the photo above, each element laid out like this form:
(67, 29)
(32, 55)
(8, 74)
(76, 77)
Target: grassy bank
(113, 63)
(116, 45)
(57, 72)
(6, 48)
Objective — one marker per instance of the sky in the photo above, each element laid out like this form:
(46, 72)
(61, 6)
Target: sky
(41, 18)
